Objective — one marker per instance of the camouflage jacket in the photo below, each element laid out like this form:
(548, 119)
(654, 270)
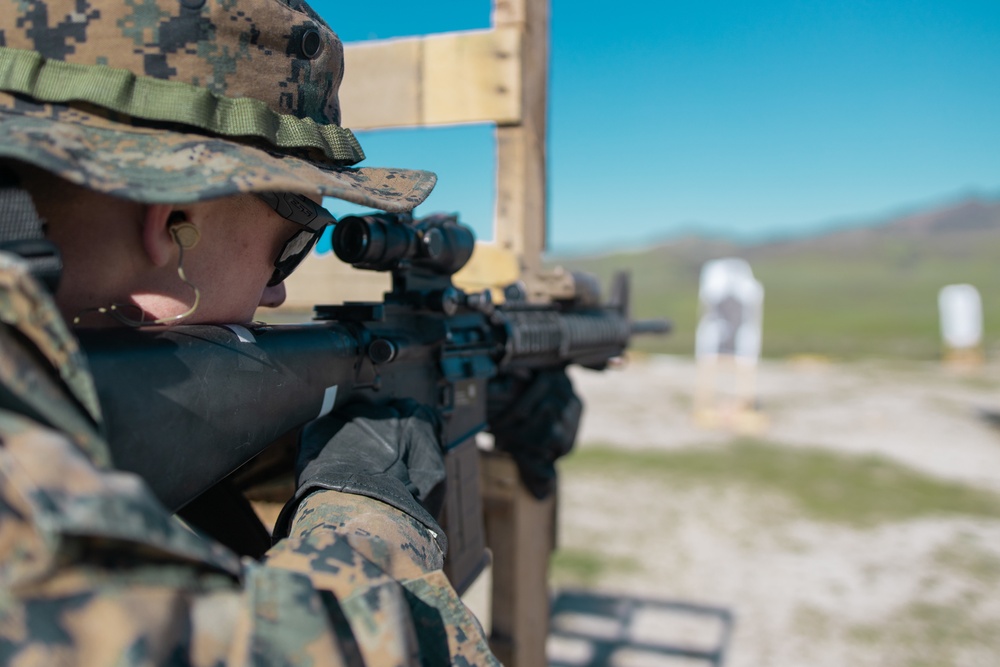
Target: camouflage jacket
(93, 571)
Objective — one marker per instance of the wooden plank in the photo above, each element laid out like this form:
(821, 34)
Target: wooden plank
(472, 77)
(463, 77)
(491, 267)
(382, 84)
(324, 279)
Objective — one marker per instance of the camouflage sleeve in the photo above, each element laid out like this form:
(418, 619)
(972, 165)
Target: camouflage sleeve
(384, 567)
(94, 571)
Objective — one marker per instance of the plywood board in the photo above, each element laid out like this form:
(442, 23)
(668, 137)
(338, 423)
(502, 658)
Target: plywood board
(383, 84)
(462, 77)
(324, 279)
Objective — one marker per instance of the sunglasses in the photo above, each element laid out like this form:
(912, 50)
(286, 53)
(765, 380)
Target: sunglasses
(302, 211)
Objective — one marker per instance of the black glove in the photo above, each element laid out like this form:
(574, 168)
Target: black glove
(390, 453)
(535, 418)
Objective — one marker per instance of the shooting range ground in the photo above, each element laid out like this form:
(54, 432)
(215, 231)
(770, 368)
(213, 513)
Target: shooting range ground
(863, 528)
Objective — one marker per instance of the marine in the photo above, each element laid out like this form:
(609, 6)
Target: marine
(164, 162)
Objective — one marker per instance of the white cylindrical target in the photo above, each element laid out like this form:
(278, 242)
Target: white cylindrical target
(961, 310)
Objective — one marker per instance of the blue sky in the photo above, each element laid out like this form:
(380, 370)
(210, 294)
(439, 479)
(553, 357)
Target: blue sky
(740, 118)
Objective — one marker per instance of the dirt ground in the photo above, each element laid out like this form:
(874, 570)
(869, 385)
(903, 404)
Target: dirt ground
(921, 589)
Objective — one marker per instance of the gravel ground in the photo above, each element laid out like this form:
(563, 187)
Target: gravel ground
(919, 414)
(804, 592)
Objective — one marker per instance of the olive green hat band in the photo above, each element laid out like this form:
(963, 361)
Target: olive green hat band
(54, 81)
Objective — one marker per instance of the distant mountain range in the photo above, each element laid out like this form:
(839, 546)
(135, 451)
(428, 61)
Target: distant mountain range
(864, 291)
(973, 214)
(969, 215)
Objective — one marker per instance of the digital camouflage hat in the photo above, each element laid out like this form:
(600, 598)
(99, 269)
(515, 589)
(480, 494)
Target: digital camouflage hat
(176, 101)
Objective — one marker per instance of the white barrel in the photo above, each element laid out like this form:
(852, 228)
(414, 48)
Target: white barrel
(961, 310)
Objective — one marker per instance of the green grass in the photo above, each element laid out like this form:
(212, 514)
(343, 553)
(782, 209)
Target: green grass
(586, 568)
(970, 559)
(930, 634)
(823, 485)
(919, 633)
(871, 299)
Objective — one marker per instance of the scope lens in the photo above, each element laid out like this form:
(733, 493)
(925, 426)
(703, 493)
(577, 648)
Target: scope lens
(351, 238)
(433, 243)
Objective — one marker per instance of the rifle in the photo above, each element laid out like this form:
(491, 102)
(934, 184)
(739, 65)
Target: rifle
(188, 406)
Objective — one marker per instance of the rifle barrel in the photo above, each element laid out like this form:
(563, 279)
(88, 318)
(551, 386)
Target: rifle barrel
(652, 327)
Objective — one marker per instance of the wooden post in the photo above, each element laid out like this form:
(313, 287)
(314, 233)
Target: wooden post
(520, 531)
(521, 213)
(521, 218)
(519, 528)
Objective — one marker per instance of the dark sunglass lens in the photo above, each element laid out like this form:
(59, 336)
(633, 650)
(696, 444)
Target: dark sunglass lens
(297, 246)
(291, 255)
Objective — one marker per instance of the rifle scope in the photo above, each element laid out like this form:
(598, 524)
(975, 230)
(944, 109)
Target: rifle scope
(385, 241)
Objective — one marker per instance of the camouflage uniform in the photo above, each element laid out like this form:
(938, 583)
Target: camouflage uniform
(96, 572)
(175, 101)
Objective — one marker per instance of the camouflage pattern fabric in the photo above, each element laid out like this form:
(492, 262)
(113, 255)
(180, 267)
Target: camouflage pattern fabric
(279, 53)
(26, 308)
(381, 561)
(95, 572)
(155, 167)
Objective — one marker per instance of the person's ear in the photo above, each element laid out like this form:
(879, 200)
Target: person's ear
(157, 240)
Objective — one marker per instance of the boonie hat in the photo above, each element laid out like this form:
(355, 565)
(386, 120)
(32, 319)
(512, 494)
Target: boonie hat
(177, 101)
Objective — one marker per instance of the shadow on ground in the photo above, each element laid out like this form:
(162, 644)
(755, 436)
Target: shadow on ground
(601, 630)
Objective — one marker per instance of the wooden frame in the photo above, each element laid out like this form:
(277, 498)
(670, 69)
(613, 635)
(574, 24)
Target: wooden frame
(497, 76)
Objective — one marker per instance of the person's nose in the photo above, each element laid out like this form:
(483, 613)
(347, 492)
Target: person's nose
(274, 296)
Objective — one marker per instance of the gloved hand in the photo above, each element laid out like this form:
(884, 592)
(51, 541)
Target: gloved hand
(534, 417)
(390, 453)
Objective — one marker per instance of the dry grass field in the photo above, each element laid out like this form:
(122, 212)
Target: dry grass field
(861, 527)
